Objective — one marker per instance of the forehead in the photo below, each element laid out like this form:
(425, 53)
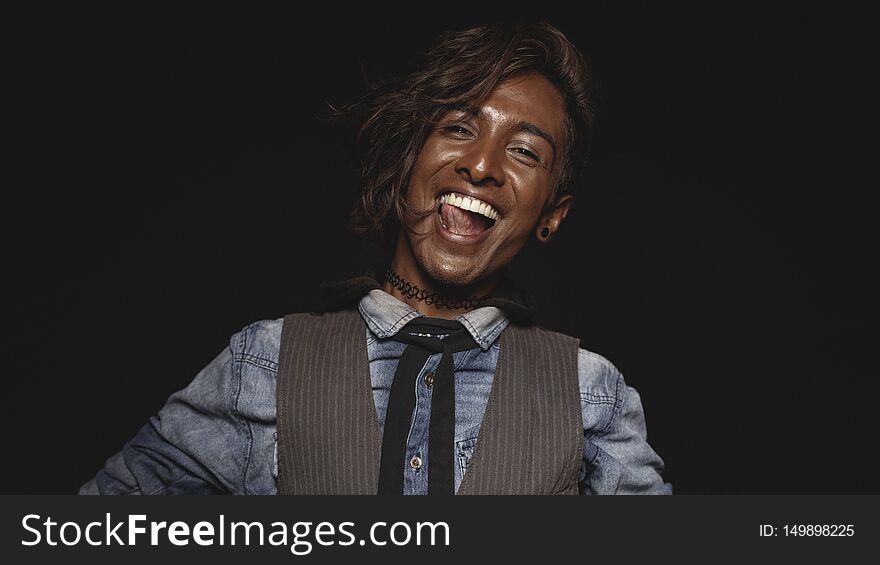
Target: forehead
(529, 98)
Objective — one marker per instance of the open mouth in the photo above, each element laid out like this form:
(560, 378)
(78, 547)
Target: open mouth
(465, 215)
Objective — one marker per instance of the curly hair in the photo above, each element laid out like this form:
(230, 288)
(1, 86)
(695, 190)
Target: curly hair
(462, 68)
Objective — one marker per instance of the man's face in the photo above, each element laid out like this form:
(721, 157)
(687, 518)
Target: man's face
(502, 162)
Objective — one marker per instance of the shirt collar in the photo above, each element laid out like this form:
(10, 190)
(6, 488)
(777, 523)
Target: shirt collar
(385, 315)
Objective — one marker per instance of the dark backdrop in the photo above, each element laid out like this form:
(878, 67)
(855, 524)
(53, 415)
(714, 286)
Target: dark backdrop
(172, 177)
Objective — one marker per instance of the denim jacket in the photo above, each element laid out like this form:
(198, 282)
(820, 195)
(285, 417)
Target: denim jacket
(218, 435)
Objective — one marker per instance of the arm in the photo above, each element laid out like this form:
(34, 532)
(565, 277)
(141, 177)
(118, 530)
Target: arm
(617, 456)
(196, 444)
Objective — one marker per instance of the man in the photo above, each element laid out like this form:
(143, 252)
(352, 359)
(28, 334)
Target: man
(429, 377)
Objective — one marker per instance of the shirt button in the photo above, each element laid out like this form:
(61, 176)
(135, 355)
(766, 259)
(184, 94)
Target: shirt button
(416, 462)
(429, 379)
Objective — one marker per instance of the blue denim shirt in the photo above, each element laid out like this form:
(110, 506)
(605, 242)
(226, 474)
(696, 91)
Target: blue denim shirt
(218, 434)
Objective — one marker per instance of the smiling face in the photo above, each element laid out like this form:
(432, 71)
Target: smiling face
(487, 177)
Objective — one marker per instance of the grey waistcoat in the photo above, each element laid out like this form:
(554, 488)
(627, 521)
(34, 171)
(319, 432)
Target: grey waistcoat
(530, 441)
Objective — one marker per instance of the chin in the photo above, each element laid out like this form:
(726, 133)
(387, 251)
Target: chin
(454, 271)
(451, 264)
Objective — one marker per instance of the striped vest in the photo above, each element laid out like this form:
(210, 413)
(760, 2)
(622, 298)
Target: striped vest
(329, 440)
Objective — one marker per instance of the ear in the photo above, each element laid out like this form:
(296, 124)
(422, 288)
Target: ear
(552, 218)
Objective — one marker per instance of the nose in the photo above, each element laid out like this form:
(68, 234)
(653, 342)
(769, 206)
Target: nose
(481, 164)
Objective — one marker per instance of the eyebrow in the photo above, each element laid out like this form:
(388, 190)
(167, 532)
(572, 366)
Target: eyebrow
(519, 127)
(529, 127)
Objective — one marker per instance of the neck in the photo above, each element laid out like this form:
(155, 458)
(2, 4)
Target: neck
(430, 297)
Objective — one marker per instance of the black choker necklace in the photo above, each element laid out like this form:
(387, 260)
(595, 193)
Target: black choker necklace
(430, 298)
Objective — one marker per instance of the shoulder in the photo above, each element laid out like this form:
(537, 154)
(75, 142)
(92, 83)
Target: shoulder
(531, 333)
(258, 343)
(597, 376)
(606, 398)
(603, 391)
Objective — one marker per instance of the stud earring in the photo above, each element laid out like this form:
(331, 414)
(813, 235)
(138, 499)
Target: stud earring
(545, 232)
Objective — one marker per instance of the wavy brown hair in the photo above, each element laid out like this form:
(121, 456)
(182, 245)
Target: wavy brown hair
(462, 68)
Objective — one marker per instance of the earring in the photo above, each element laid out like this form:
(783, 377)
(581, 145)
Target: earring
(545, 232)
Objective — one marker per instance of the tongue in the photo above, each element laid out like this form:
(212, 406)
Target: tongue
(462, 222)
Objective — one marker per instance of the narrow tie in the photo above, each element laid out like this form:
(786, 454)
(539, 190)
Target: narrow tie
(424, 337)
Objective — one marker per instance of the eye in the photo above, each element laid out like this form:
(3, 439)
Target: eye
(457, 131)
(527, 153)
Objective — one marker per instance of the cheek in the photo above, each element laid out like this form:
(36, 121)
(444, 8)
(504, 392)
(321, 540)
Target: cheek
(531, 198)
(533, 186)
(435, 155)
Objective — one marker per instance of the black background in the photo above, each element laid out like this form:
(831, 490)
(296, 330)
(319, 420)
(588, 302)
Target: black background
(170, 178)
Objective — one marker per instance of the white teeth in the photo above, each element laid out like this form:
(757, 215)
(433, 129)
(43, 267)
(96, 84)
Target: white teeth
(470, 204)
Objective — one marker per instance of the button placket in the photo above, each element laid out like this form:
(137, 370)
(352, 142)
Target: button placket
(415, 477)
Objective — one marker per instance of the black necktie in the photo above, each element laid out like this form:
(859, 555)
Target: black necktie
(421, 337)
